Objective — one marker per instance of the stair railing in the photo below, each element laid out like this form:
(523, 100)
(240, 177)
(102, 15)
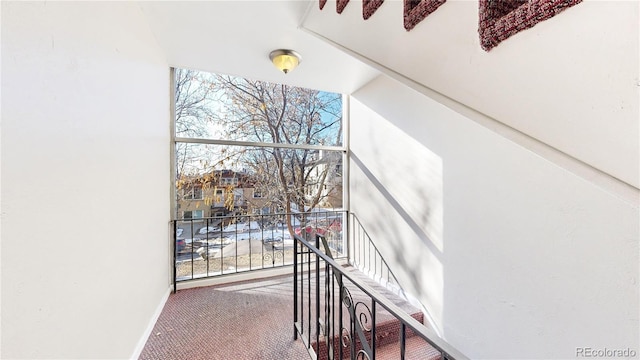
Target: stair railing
(223, 245)
(337, 316)
(365, 256)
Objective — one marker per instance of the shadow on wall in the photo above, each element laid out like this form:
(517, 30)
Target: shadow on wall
(402, 183)
(416, 225)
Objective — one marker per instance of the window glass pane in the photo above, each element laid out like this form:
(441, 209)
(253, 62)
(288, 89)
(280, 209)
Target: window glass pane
(234, 180)
(256, 176)
(223, 107)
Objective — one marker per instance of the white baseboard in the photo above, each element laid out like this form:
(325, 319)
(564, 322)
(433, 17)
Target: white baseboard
(152, 322)
(235, 277)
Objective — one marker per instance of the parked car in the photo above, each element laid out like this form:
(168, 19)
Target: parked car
(208, 230)
(242, 227)
(245, 235)
(269, 239)
(180, 244)
(285, 241)
(214, 243)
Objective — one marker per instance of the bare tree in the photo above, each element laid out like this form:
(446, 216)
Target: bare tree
(253, 111)
(294, 179)
(195, 97)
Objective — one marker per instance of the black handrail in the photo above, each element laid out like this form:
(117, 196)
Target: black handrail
(361, 324)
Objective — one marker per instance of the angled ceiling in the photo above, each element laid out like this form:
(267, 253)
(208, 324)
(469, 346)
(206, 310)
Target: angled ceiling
(236, 37)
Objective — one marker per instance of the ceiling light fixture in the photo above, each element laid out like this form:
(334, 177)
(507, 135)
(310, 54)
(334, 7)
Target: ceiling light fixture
(285, 60)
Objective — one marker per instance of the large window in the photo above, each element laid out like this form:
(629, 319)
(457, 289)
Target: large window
(255, 165)
(245, 147)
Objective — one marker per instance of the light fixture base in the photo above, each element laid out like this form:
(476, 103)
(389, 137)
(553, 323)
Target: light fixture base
(285, 60)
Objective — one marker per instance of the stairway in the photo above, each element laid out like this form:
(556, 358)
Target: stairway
(387, 329)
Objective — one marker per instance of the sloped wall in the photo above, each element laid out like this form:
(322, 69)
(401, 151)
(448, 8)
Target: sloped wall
(570, 81)
(514, 256)
(523, 244)
(85, 179)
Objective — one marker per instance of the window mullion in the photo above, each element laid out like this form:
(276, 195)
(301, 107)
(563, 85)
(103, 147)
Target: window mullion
(258, 144)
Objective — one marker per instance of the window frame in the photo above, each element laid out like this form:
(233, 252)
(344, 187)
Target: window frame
(192, 212)
(343, 149)
(192, 195)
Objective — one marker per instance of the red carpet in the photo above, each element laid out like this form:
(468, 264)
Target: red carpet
(251, 320)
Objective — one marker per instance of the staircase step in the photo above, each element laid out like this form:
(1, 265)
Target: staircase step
(415, 349)
(387, 334)
(387, 327)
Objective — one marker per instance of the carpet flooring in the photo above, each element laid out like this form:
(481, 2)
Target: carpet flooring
(244, 320)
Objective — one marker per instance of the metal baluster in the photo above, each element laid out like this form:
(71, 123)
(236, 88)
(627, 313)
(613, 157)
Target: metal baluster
(340, 353)
(207, 238)
(175, 256)
(262, 222)
(402, 341)
(273, 251)
(327, 308)
(221, 248)
(301, 288)
(191, 249)
(295, 289)
(355, 335)
(236, 267)
(317, 297)
(352, 326)
(373, 329)
(333, 317)
(309, 299)
(347, 232)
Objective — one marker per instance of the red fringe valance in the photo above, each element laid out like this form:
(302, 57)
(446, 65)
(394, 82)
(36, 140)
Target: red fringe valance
(417, 10)
(498, 19)
(504, 18)
(369, 7)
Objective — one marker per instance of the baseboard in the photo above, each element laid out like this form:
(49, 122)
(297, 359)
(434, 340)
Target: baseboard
(428, 319)
(235, 277)
(152, 323)
(245, 276)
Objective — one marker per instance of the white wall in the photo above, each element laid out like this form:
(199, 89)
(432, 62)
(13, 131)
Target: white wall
(570, 82)
(85, 179)
(522, 244)
(530, 261)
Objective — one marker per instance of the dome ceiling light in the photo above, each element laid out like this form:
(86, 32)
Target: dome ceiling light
(285, 60)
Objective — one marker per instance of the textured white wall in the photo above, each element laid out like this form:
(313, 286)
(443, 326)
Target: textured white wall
(85, 179)
(537, 253)
(531, 261)
(570, 82)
